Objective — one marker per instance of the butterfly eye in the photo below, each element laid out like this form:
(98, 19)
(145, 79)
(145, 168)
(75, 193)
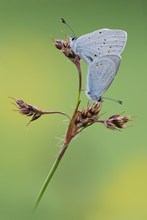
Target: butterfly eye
(73, 38)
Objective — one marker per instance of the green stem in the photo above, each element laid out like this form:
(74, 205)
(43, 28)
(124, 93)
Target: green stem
(80, 81)
(51, 173)
(55, 112)
(68, 137)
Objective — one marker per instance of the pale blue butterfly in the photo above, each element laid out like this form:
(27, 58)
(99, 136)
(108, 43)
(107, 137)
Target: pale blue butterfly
(101, 50)
(98, 43)
(101, 73)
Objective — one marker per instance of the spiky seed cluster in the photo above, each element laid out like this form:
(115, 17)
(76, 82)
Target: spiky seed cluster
(88, 115)
(116, 122)
(83, 119)
(28, 110)
(65, 48)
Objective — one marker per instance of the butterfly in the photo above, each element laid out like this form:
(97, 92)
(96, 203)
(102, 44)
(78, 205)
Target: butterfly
(101, 50)
(98, 43)
(101, 73)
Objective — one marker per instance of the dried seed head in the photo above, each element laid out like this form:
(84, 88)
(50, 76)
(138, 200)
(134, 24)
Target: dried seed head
(65, 48)
(28, 110)
(116, 122)
(59, 44)
(88, 115)
(95, 108)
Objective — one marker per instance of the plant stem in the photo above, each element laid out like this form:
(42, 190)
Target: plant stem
(51, 173)
(68, 138)
(80, 81)
(55, 112)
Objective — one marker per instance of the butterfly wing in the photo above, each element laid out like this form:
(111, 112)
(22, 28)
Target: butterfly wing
(101, 73)
(99, 43)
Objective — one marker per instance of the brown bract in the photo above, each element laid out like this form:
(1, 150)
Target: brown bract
(87, 116)
(117, 122)
(65, 48)
(28, 110)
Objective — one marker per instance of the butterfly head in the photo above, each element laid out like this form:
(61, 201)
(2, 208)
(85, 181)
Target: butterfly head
(72, 41)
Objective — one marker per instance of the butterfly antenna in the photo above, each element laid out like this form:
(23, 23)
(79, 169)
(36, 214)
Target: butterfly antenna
(115, 100)
(64, 22)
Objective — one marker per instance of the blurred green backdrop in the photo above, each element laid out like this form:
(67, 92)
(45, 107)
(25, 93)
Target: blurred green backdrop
(103, 175)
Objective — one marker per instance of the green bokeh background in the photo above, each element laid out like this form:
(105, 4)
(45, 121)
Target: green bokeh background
(103, 174)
